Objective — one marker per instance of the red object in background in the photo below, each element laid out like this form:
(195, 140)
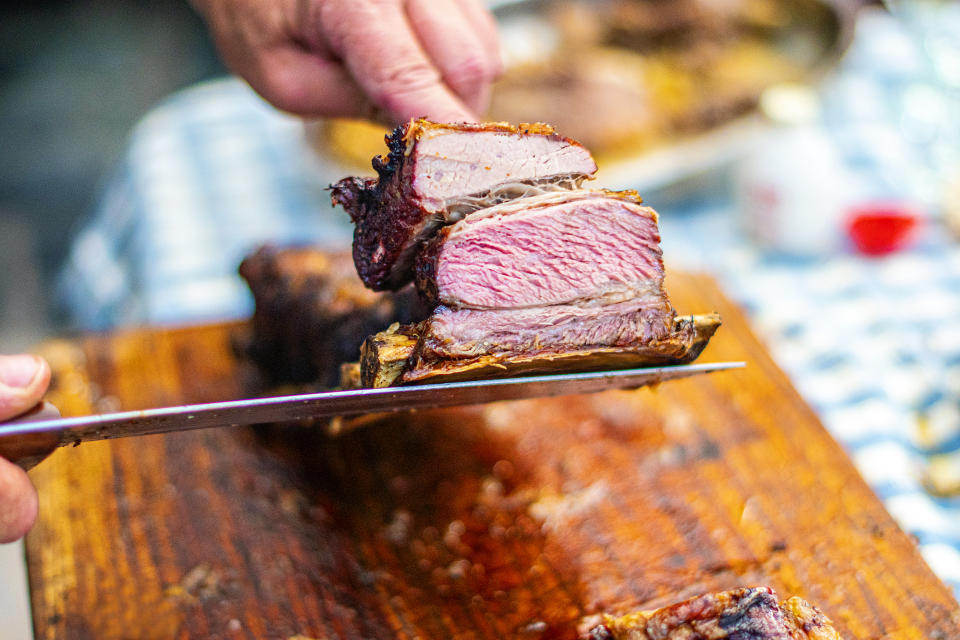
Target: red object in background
(880, 229)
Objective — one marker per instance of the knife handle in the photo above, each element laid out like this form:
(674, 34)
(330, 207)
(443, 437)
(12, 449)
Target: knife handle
(29, 450)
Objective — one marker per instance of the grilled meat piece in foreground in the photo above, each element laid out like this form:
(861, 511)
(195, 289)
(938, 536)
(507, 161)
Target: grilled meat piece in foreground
(312, 313)
(742, 614)
(558, 248)
(435, 174)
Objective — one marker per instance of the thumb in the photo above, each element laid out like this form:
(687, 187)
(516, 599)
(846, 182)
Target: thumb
(18, 502)
(23, 381)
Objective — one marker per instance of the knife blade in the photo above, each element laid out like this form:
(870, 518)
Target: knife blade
(46, 434)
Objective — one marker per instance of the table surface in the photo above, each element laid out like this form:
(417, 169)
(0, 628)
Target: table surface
(516, 519)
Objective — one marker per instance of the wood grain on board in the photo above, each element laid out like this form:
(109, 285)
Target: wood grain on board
(523, 519)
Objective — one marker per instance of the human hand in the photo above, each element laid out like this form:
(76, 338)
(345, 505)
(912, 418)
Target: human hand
(380, 59)
(23, 381)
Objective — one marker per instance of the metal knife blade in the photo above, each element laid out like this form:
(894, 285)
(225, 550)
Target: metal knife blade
(342, 403)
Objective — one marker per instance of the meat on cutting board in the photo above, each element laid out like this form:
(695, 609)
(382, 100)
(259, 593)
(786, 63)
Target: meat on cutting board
(741, 614)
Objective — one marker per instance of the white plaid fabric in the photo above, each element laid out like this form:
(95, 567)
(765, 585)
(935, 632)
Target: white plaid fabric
(207, 176)
(873, 345)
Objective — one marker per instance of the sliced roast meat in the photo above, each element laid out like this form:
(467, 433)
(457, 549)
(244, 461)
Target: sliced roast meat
(468, 333)
(437, 173)
(585, 247)
(524, 270)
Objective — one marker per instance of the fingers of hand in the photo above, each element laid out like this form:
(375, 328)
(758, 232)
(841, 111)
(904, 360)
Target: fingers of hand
(23, 381)
(479, 17)
(456, 47)
(300, 82)
(259, 41)
(375, 40)
(18, 502)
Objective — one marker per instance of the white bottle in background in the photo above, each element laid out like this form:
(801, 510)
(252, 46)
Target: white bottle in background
(792, 189)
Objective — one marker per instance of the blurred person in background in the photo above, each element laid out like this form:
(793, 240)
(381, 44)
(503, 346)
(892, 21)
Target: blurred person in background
(380, 59)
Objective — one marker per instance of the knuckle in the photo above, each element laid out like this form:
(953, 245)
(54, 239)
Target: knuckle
(338, 19)
(400, 81)
(330, 17)
(471, 71)
(282, 90)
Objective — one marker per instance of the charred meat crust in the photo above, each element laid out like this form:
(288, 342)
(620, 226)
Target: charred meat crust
(683, 345)
(355, 195)
(386, 215)
(385, 356)
(312, 313)
(390, 219)
(394, 357)
(740, 614)
(425, 269)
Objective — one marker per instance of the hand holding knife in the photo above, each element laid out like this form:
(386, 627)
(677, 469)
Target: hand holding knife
(23, 381)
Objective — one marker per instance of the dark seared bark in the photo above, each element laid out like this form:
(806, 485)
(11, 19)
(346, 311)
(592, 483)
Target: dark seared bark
(741, 614)
(312, 314)
(396, 356)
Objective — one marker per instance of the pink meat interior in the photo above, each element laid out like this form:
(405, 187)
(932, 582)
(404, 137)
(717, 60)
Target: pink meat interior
(452, 163)
(591, 249)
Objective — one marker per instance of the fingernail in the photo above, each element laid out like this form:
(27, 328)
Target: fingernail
(18, 371)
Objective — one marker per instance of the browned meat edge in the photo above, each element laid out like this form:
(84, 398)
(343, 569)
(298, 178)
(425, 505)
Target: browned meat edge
(740, 614)
(392, 357)
(311, 314)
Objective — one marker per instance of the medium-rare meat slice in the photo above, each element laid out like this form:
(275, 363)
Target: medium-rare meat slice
(741, 614)
(550, 273)
(580, 247)
(435, 174)
(526, 272)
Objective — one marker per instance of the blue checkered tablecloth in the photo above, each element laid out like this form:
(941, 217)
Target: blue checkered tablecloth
(206, 177)
(872, 344)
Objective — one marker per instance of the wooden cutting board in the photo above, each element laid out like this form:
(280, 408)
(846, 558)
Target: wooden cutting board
(522, 519)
